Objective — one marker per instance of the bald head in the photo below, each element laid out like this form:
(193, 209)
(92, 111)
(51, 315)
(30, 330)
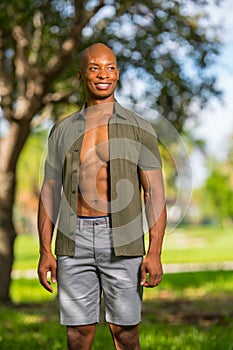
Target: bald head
(96, 50)
(99, 73)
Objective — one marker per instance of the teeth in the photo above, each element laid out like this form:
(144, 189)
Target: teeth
(102, 85)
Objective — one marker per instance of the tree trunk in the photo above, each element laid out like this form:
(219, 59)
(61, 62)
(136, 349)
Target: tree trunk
(11, 147)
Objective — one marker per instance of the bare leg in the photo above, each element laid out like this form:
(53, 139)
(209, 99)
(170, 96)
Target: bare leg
(125, 337)
(80, 337)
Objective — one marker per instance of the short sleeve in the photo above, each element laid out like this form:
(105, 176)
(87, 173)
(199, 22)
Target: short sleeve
(149, 158)
(53, 167)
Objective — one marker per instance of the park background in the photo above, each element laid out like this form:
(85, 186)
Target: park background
(192, 308)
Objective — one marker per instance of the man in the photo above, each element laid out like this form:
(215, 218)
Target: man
(98, 160)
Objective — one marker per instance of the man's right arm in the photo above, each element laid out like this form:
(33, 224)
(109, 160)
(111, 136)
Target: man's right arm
(49, 202)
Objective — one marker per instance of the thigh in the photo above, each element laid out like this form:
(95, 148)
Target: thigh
(120, 278)
(78, 291)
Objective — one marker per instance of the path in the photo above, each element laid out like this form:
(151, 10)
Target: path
(168, 268)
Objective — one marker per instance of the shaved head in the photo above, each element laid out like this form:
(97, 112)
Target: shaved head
(99, 73)
(95, 50)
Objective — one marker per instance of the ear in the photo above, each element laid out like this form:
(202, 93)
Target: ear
(80, 75)
(118, 74)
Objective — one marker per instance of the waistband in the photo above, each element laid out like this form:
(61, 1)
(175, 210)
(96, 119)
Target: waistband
(92, 217)
(93, 220)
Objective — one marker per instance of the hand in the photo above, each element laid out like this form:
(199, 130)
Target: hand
(152, 266)
(47, 263)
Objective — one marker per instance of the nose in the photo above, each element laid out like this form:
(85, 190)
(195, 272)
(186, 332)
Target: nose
(103, 73)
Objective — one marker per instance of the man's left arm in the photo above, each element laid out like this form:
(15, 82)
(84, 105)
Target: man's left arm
(155, 208)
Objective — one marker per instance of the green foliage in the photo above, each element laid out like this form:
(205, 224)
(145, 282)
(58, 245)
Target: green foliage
(26, 252)
(189, 244)
(31, 162)
(219, 188)
(221, 193)
(198, 244)
(215, 198)
(165, 46)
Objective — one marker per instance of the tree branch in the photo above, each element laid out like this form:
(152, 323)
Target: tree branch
(21, 68)
(56, 97)
(6, 84)
(59, 62)
(37, 37)
(45, 115)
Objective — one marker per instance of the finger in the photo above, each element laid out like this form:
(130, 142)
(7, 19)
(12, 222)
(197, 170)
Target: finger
(158, 280)
(54, 274)
(48, 287)
(143, 276)
(153, 281)
(44, 282)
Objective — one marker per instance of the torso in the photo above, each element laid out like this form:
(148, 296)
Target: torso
(93, 198)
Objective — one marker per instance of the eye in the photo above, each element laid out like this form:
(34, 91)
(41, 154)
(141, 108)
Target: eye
(93, 69)
(111, 68)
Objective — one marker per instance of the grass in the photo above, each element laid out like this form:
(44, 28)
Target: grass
(26, 252)
(198, 244)
(185, 244)
(189, 311)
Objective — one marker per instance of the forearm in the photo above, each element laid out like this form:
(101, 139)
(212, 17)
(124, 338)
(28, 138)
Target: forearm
(155, 209)
(156, 218)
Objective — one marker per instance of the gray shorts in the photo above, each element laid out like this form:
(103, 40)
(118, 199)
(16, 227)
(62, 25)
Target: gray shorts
(93, 269)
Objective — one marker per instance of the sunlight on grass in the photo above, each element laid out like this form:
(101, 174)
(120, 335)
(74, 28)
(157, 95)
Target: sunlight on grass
(189, 244)
(192, 285)
(29, 290)
(189, 310)
(198, 244)
(174, 316)
(26, 252)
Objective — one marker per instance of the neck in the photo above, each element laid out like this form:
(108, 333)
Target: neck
(105, 107)
(94, 102)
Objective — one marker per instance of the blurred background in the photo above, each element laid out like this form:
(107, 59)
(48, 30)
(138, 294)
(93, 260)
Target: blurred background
(175, 58)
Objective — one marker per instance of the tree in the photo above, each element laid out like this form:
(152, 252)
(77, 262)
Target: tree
(167, 45)
(219, 187)
(221, 193)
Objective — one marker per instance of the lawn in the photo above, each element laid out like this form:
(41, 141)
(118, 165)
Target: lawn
(198, 244)
(188, 311)
(185, 244)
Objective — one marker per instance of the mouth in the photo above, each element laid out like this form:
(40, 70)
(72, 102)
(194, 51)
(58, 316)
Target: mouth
(102, 86)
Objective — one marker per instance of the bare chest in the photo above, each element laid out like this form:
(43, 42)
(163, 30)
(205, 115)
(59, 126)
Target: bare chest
(95, 145)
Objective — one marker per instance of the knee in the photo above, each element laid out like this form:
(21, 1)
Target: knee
(126, 337)
(79, 337)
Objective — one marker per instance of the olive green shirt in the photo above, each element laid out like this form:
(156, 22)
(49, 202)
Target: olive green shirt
(132, 146)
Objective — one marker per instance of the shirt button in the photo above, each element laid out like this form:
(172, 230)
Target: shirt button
(76, 149)
(73, 191)
(74, 171)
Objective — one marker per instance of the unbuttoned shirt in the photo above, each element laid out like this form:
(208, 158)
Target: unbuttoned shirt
(132, 146)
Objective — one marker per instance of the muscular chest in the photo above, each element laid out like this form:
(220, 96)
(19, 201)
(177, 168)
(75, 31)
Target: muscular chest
(95, 145)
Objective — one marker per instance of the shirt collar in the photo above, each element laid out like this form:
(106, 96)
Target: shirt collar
(118, 112)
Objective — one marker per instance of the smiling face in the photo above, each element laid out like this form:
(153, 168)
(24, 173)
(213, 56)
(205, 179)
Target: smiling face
(99, 73)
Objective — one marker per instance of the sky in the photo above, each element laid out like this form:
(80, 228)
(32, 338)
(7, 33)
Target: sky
(216, 121)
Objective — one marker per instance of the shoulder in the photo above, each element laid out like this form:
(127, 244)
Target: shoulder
(133, 118)
(63, 124)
